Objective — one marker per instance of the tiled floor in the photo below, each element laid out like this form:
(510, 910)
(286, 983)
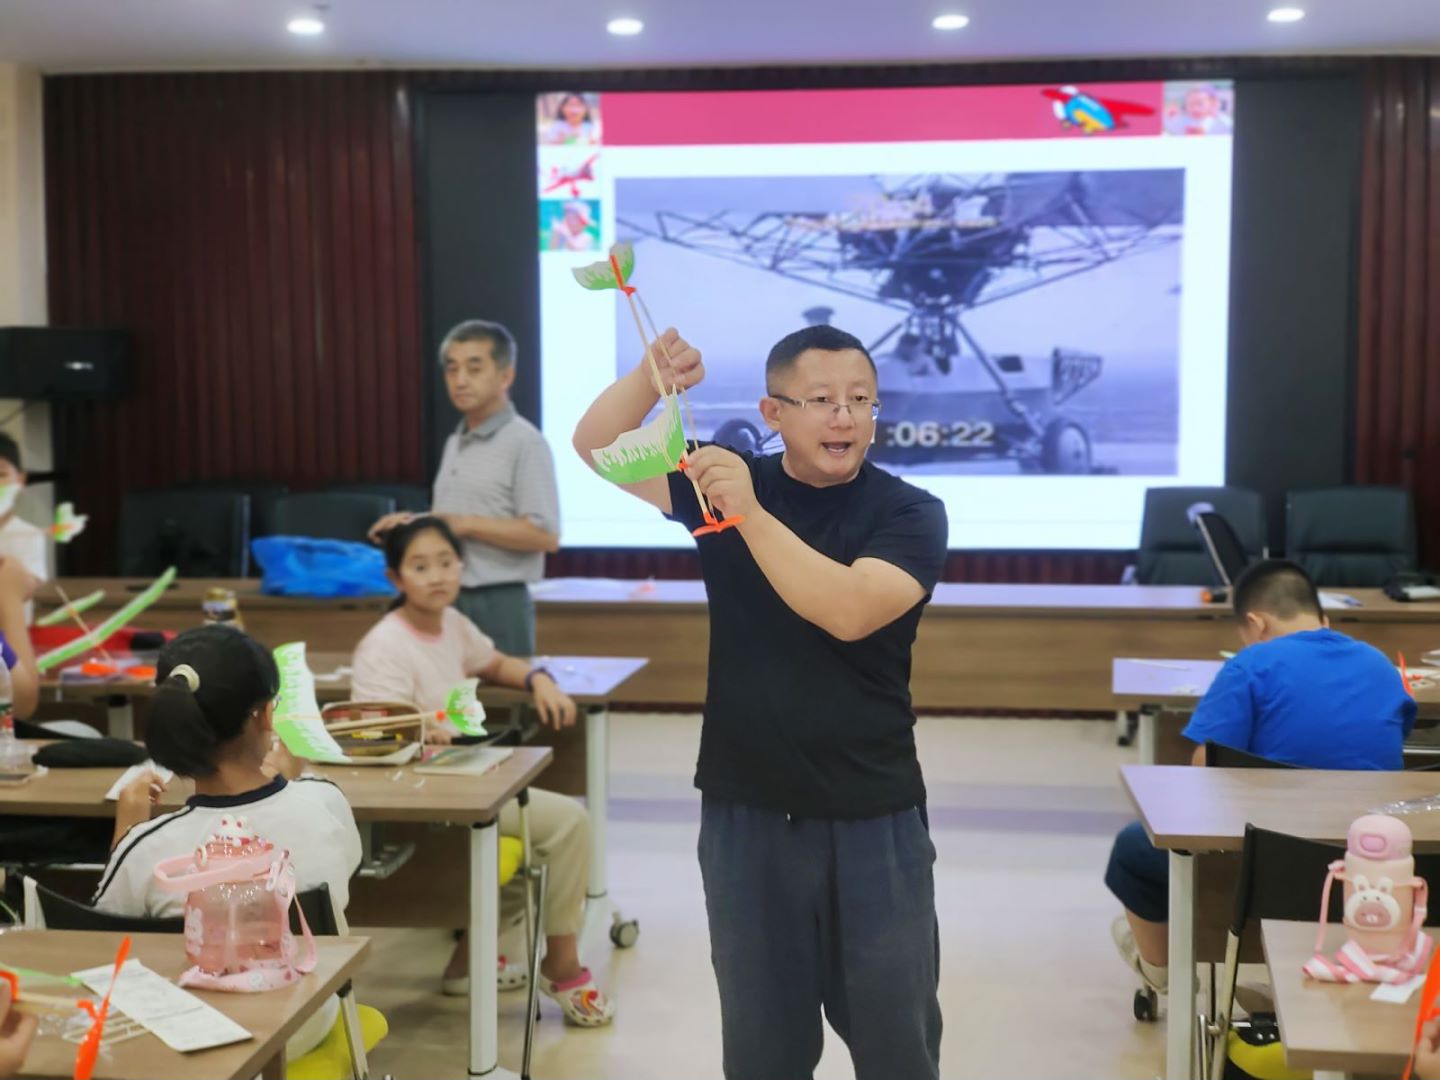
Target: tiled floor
(1030, 987)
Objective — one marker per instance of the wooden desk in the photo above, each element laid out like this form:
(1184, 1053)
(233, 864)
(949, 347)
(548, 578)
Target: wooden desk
(1187, 811)
(375, 795)
(1016, 647)
(590, 680)
(1331, 1028)
(336, 624)
(271, 1017)
(593, 681)
(1152, 685)
(978, 647)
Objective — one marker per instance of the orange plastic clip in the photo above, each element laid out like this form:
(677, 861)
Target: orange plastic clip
(628, 290)
(714, 525)
(90, 1047)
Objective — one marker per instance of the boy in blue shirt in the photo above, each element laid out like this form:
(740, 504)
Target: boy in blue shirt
(1298, 693)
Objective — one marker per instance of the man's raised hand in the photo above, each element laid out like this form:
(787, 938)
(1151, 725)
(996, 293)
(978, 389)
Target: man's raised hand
(678, 362)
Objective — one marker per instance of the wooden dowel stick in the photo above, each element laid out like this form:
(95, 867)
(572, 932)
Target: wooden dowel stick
(379, 723)
(694, 437)
(80, 622)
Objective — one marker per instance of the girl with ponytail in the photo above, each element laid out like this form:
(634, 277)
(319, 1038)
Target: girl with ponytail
(212, 721)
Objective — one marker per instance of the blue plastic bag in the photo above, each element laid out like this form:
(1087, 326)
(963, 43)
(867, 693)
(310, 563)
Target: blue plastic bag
(304, 566)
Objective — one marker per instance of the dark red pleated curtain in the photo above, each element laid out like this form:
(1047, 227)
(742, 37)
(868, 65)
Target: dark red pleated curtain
(1397, 380)
(257, 234)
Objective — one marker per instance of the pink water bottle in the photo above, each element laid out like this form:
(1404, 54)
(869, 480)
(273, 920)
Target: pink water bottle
(233, 923)
(1380, 884)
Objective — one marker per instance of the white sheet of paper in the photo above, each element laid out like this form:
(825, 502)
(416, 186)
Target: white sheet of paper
(177, 1017)
(132, 772)
(1397, 993)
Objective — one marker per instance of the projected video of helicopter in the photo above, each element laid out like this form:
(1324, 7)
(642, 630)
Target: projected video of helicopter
(1024, 322)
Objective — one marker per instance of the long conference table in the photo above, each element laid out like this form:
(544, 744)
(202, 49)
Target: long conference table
(985, 647)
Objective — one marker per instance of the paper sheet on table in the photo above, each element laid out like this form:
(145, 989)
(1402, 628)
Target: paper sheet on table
(1332, 601)
(1398, 993)
(132, 772)
(297, 712)
(177, 1017)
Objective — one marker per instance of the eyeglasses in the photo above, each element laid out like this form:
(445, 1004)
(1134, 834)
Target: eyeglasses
(820, 404)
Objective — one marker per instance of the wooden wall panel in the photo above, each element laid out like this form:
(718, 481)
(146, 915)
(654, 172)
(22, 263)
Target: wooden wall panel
(256, 233)
(1397, 384)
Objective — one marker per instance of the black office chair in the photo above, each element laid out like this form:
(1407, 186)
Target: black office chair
(262, 494)
(1171, 551)
(1351, 536)
(1226, 757)
(47, 909)
(410, 498)
(203, 534)
(328, 515)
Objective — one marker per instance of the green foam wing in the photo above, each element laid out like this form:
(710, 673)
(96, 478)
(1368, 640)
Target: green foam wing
(463, 709)
(78, 607)
(86, 642)
(297, 712)
(601, 275)
(646, 452)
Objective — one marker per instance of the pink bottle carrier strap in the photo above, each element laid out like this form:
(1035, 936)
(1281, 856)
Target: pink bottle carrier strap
(1352, 964)
(173, 874)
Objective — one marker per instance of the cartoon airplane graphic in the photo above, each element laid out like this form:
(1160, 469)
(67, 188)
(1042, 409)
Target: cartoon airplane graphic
(572, 180)
(1090, 114)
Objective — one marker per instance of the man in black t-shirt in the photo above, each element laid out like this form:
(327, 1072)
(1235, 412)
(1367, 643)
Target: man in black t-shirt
(814, 845)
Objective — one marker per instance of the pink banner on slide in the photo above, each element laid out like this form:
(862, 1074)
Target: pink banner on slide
(910, 114)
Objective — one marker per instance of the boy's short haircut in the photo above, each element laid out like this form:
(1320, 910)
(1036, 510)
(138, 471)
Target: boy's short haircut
(1277, 587)
(10, 451)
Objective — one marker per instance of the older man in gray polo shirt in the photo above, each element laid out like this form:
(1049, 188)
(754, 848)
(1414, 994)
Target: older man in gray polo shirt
(495, 488)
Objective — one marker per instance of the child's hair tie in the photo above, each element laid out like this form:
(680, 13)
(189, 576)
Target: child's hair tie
(190, 676)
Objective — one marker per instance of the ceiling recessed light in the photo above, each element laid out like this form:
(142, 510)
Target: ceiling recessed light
(305, 26)
(625, 27)
(1286, 14)
(951, 21)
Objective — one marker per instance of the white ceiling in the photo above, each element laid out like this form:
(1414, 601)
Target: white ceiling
(100, 35)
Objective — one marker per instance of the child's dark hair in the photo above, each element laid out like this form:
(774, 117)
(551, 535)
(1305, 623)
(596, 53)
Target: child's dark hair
(10, 451)
(1277, 587)
(195, 712)
(399, 539)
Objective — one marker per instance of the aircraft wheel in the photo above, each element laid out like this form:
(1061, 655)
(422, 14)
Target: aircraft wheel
(739, 435)
(1066, 449)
